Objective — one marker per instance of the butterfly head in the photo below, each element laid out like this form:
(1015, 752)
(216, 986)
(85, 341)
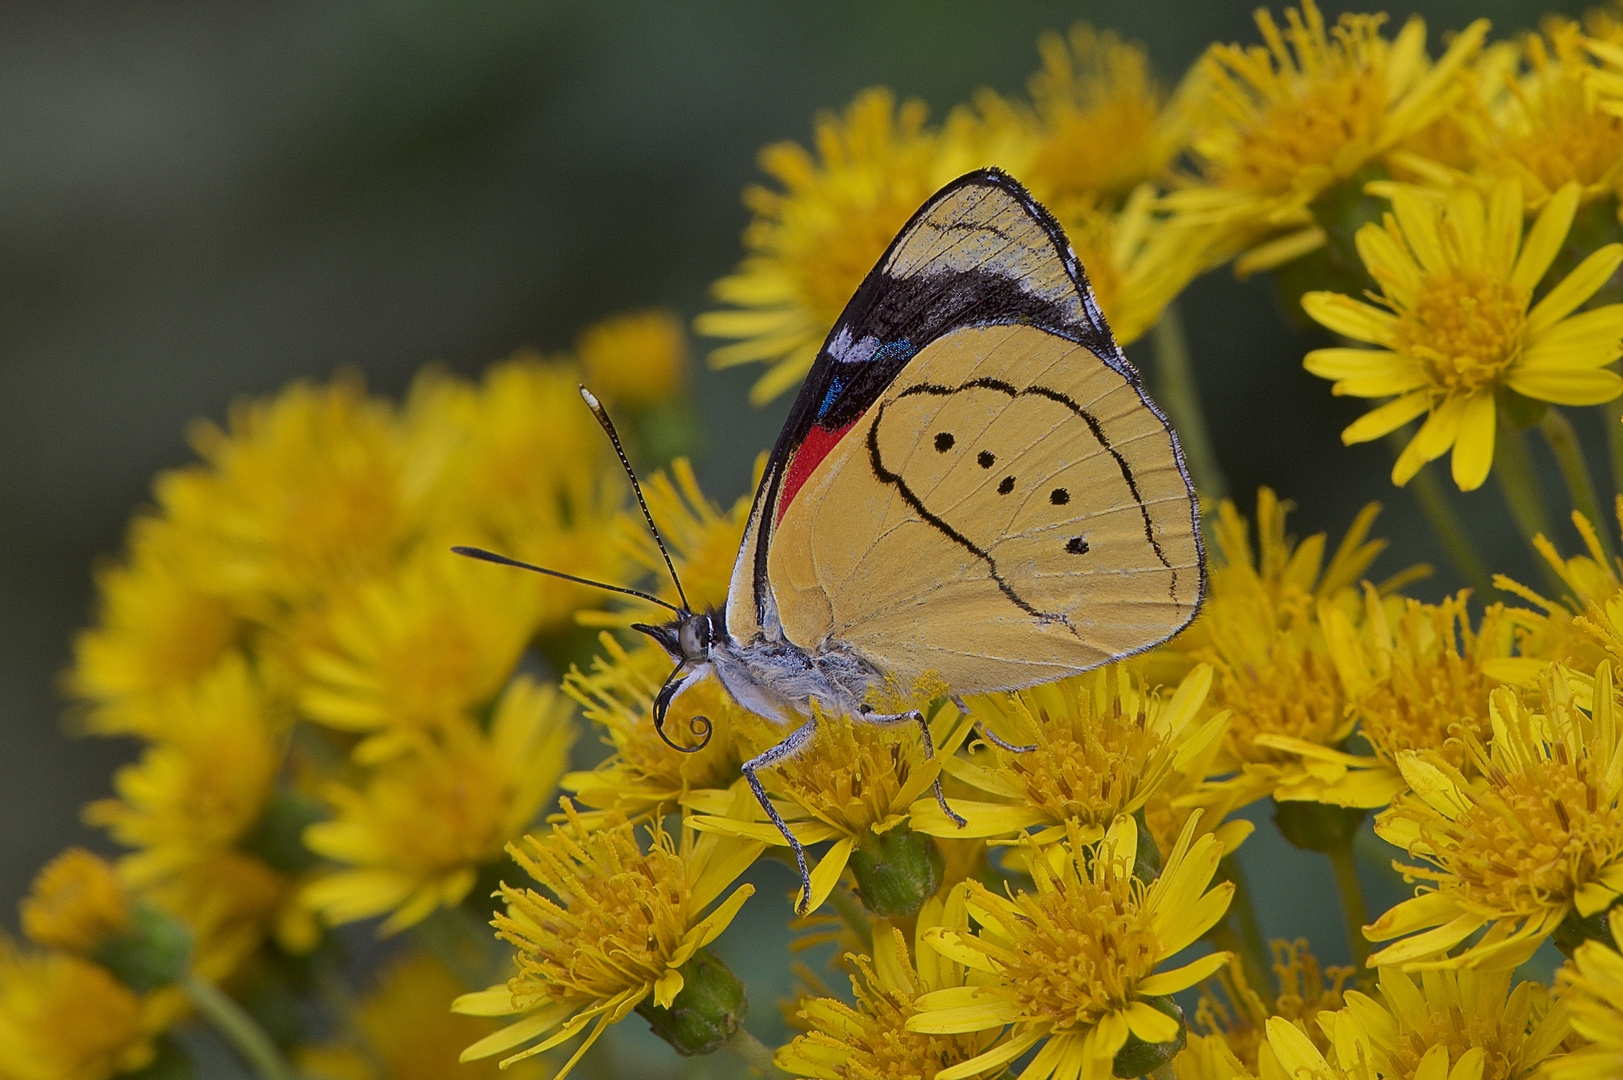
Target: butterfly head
(688, 637)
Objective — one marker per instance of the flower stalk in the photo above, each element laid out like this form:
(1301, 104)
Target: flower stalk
(1180, 396)
(1445, 523)
(1569, 454)
(1514, 468)
(1351, 891)
(238, 1028)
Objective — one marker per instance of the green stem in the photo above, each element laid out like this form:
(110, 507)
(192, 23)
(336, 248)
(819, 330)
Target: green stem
(756, 1054)
(1345, 866)
(855, 915)
(1445, 523)
(238, 1028)
(1613, 412)
(1239, 932)
(1180, 396)
(1569, 454)
(1514, 468)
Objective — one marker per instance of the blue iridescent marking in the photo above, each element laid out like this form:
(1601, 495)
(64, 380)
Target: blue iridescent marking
(890, 352)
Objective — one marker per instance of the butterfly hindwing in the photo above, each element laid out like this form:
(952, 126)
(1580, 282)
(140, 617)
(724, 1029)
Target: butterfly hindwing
(955, 555)
(1004, 515)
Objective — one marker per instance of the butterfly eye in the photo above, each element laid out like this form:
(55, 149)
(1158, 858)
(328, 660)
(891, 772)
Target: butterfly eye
(985, 459)
(1006, 486)
(1076, 545)
(1059, 496)
(944, 441)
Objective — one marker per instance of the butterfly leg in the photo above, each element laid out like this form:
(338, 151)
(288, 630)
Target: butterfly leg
(771, 756)
(963, 710)
(917, 717)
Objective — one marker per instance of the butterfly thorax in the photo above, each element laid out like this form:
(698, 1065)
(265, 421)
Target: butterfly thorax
(770, 677)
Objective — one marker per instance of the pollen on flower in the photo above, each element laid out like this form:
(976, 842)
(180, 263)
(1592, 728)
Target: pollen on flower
(1468, 327)
(619, 917)
(1239, 1015)
(1432, 686)
(1541, 837)
(77, 902)
(855, 776)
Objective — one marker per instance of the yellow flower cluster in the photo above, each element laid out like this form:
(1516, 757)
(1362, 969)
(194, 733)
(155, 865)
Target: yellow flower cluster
(341, 721)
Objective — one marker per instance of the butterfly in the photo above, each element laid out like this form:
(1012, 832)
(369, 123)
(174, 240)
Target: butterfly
(972, 485)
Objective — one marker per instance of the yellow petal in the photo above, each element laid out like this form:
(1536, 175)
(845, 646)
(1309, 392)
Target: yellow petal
(1355, 363)
(1294, 1049)
(1545, 238)
(521, 1031)
(1433, 439)
(1181, 978)
(1418, 220)
(1590, 339)
(1566, 386)
(960, 1009)
(995, 1058)
(1574, 289)
(1349, 317)
(826, 874)
(985, 818)
(706, 931)
(666, 987)
(1428, 944)
(1386, 418)
(492, 1001)
(1415, 913)
(1473, 448)
(1151, 1025)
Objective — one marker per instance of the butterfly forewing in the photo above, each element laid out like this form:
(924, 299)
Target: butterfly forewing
(972, 482)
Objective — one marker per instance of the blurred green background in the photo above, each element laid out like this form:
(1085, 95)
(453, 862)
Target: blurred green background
(204, 200)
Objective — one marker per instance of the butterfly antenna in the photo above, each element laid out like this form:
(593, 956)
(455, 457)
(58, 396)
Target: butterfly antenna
(614, 437)
(503, 560)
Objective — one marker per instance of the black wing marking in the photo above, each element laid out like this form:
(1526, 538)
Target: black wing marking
(922, 289)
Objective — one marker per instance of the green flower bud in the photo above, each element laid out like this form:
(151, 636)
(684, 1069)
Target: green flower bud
(1139, 1058)
(897, 871)
(1576, 929)
(707, 1010)
(155, 951)
(1147, 859)
(1315, 826)
(278, 838)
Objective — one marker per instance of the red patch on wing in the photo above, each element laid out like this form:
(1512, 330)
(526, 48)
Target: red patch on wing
(817, 444)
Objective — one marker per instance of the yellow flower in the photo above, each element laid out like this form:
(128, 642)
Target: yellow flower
(1306, 993)
(1071, 964)
(305, 495)
(427, 821)
(63, 1018)
(634, 359)
(1103, 744)
(76, 903)
(1557, 125)
(1591, 990)
(1454, 1024)
(190, 805)
(1207, 1057)
(1541, 837)
(1281, 123)
(519, 464)
(1416, 681)
(1262, 632)
(643, 773)
(159, 628)
(1456, 282)
(623, 924)
(1551, 633)
(850, 783)
(1136, 260)
(870, 1041)
(813, 240)
(420, 650)
(403, 1027)
(1101, 125)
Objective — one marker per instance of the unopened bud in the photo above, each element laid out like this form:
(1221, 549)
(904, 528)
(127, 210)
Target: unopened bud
(705, 1013)
(1315, 826)
(897, 871)
(1139, 1058)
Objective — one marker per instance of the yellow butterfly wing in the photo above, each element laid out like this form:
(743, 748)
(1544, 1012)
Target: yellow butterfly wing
(1010, 510)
